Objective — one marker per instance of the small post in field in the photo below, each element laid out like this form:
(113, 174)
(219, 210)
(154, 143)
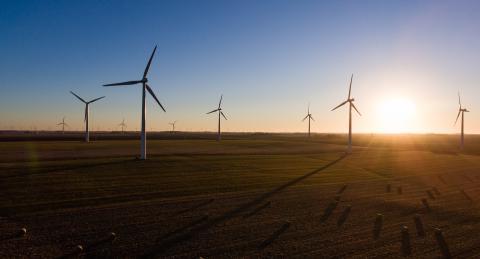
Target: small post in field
(406, 246)
(377, 226)
(426, 204)
(419, 226)
(442, 243)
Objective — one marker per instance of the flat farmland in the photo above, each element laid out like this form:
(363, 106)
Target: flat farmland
(267, 196)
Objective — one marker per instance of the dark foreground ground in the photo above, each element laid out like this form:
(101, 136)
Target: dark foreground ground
(257, 195)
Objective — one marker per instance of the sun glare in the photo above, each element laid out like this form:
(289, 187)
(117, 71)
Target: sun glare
(396, 115)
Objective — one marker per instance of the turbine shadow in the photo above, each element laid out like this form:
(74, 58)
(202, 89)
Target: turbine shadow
(204, 203)
(175, 239)
(257, 210)
(274, 236)
(67, 168)
(183, 228)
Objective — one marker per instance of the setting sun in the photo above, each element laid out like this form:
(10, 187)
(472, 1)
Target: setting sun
(396, 115)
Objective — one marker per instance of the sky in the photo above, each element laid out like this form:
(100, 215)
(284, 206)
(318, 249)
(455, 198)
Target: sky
(269, 59)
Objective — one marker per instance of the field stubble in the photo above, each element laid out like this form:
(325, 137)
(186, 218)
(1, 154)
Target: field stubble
(201, 198)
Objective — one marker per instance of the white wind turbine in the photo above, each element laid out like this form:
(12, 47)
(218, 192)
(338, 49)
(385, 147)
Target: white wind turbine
(87, 131)
(63, 123)
(462, 111)
(173, 125)
(145, 87)
(219, 110)
(123, 125)
(309, 116)
(351, 105)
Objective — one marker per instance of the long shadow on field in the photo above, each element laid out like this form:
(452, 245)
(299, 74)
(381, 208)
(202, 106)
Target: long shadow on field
(256, 210)
(170, 242)
(197, 206)
(56, 169)
(274, 236)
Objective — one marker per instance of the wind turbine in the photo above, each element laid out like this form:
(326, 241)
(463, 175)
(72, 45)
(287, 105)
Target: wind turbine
(87, 132)
(462, 111)
(145, 87)
(123, 125)
(63, 123)
(309, 116)
(219, 110)
(351, 105)
(173, 126)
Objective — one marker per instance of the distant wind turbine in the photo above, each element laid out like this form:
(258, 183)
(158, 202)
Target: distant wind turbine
(173, 126)
(462, 111)
(219, 110)
(123, 125)
(309, 116)
(145, 87)
(87, 132)
(351, 105)
(63, 123)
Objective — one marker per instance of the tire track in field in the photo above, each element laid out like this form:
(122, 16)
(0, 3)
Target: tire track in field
(169, 243)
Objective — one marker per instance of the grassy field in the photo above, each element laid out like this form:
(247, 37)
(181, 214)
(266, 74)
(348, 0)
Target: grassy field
(251, 195)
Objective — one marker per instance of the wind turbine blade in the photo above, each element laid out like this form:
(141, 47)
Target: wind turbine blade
(459, 102)
(308, 109)
(125, 83)
(311, 117)
(212, 111)
(86, 111)
(350, 88)
(149, 62)
(340, 105)
(94, 100)
(220, 103)
(305, 118)
(353, 105)
(458, 115)
(223, 115)
(79, 98)
(154, 97)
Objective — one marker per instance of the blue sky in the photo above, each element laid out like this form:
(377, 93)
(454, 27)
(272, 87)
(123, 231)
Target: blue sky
(268, 58)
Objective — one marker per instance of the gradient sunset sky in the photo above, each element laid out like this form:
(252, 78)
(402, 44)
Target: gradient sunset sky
(268, 58)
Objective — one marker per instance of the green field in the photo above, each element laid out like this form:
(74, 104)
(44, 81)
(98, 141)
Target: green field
(247, 196)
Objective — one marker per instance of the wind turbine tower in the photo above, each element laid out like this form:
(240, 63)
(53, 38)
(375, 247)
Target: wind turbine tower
(87, 104)
(173, 126)
(309, 116)
(63, 123)
(351, 105)
(461, 110)
(145, 88)
(219, 110)
(123, 125)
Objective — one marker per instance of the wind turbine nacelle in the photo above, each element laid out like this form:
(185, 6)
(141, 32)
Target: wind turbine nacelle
(351, 100)
(145, 80)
